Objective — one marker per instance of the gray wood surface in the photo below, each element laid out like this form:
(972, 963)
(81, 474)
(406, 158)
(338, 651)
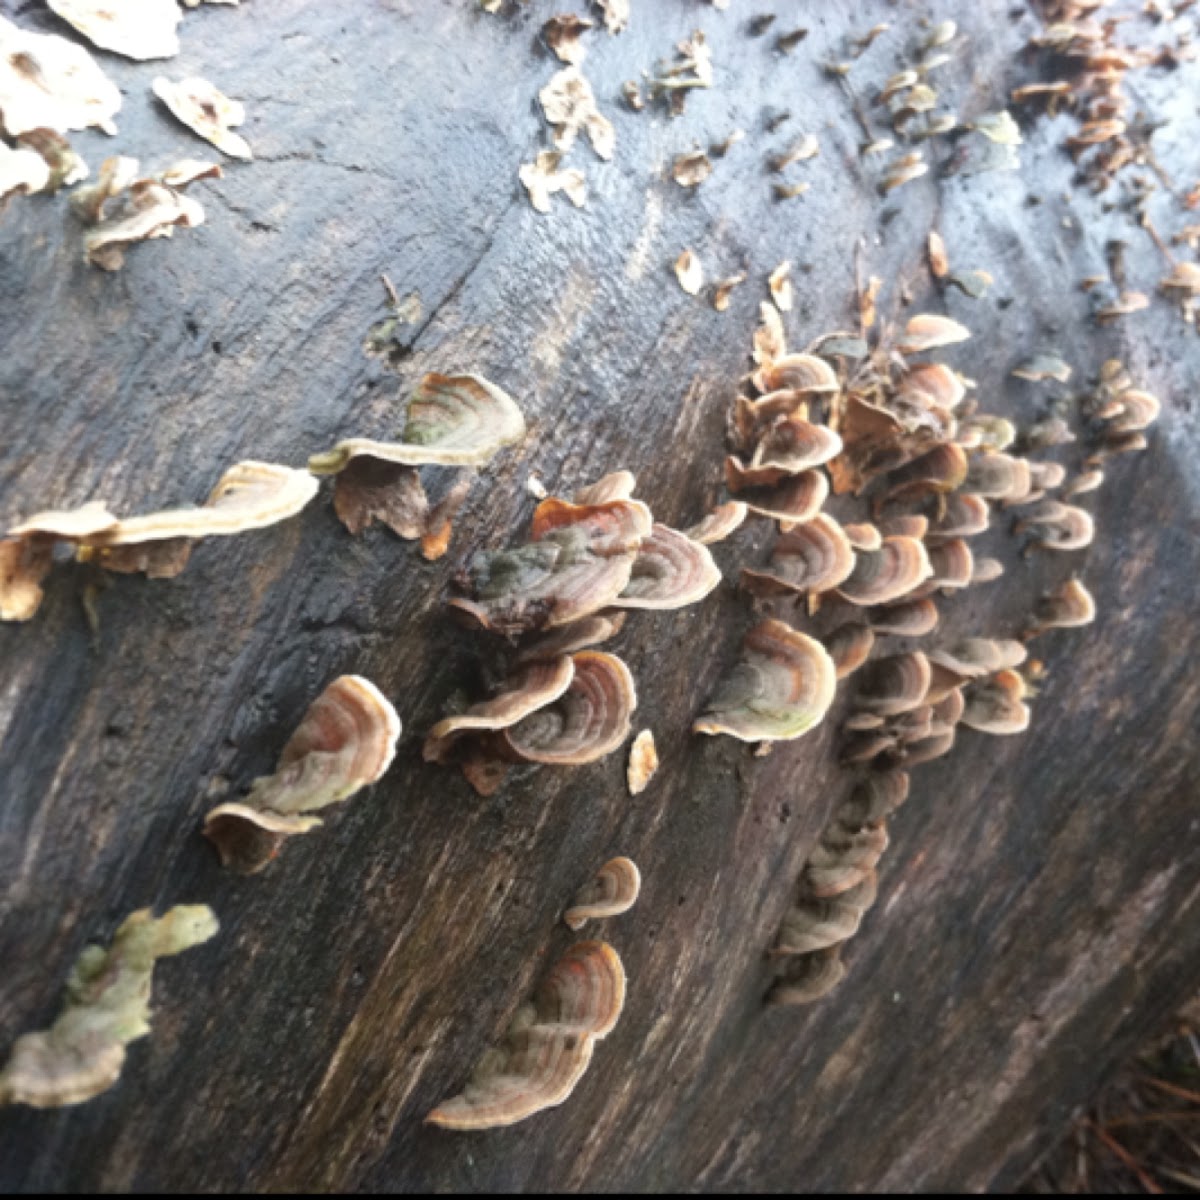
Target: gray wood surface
(1038, 905)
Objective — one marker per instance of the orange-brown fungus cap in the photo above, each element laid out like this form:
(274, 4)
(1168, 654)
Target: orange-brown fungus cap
(807, 978)
(811, 557)
(908, 618)
(894, 685)
(995, 705)
(888, 573)
(670, 571)
(612, 892)
(1058, 526)
(772, 492)
(928, 331)
(849, 646)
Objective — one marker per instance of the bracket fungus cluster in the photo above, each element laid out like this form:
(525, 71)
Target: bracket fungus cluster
(460, 421)
(107, 1007)
(548, 1045)
(345, 742)
(613, 891)
(563, 592)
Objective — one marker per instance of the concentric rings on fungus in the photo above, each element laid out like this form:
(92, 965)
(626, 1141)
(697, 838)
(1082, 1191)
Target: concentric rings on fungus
(874, 798)
(589, 720)
(941, 469)
(886, 574)
(928, 331)
(941, 386)
(780, 689)
(548, 1045)
(670, 571)
(617, 485)
(612, 892)
(974, 657)
(346, 741)
(952, 563)
(986, 431)
(843, 858)
(540, 683)
(1138, 410)
(907, 618)
(808, 977)
(863, 536)
(960, 515)
(894, 685)
(794, 444)
(772, 492)
(996, 705)
(997, 476)
(719, 523)
(796, 373)
(1069, 606)
(1058, 526)
(452, 421)
(579, 635)
(811, 925)
(850, 646)
(814, 556)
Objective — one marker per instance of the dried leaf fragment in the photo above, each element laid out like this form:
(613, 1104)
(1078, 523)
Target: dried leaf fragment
(570, 106)
(138, 29)
(780, 283)
(689, 272)
(939, 260)
(723, 291)
(563, 34)
(22, 172)
(152, 211)
(64, 165)
(107, 1007)
(613, 891)
(548, 1045)
(206, 111)
(346, 741)
(616, 14)
(24, 564)
(542, 179)
(643, 763)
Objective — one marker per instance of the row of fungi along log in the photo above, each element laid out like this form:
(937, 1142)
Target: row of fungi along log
(562, 703)
(932, 472)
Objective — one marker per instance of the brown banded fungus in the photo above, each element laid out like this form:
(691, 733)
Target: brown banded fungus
(849, 646)
(907, 618)
(345, 742)
(1058, 526)
(814, 556)
(670, 571)
(612, 892)
(207, 112)
(781, 688)
(807, 978)
(773, 492)
(548, 1044)
(884, 575)
(107, 1007)
(719, 524)
(995, 705)
(1069, 606)
(894, 685)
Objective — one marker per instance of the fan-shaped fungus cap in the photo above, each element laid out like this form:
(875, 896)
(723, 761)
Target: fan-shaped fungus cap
(107, 1007)
(973, 657)
(895, 684)
(153, 211)
(773, 492)
(926, 749)
(960, 515)
(941, 469)
(610, 527)
(986, 570)
(909, 525)
(849, 646)
(796, 373)
(1058, 526)
(1085, 481)
(863, 536)
(48, 82)
(142, 30)
(206, 111)
(941, 386)
(1069, 606)
(782, 687)
(538, 684)
(617, 485)
(995, 705)
(997, 477)
(670, 571)
(548, 1045)
(874, 799)
(1043, 366)
(1117, 443)
(952, 563)
(719, 523)
(843, 859)
(812, 557)
(1139, 410)
(811, 925)
(579, 635)
(22, 172)
(1046, 475)
(986, 431)
(908, 618)
(928, 331)
(612, 892)
(24, 564)
(452, 421)
(807, 978)
(589, 720)
(346, 741)
(888, 573)
(643, 763)
(794, 444)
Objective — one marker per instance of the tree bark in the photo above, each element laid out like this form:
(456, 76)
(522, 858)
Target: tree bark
(1036, 914)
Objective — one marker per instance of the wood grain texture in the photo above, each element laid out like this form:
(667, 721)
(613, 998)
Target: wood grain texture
(1037, 913)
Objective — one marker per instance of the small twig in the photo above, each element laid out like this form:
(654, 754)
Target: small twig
(1171, 1089)
(390, 287)
(1147, 1183)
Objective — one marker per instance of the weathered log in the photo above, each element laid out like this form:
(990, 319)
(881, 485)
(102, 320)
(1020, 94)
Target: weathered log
(1035, 916)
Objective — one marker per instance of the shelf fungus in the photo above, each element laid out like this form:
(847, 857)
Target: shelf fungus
(47, 82)
(150, 210)
(724, 520)
(613, 891)
(894, 685)
(781, 688)
(881, 576)
(811, 925)
(345, 742)
(689, 272)
(849, 646)
(952, 565)
(1058, 526)
(974, 657)
(807, 978)
(1137, 410)
(250, 495)
(548, 1045)
(794, 444)
(207, 112)
(1043, 366)
(774, 492)
(22, 172)
(108, 1006)
(588, 721)
(995, 705)
(570, 106)
(563, 34)
(138, 29)
(928, 331)
(1069, 606)
(940, 470)
(998, 476)
(542, 178)
(814, 556)
(959, 515)
(843, 858)
(590, 631)
(643, 763)
(908, 618)
(670, 571)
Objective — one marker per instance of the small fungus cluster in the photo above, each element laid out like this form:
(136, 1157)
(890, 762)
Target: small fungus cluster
(561, 593)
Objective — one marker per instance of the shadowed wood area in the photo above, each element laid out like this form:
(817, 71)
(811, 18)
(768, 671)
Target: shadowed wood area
(1038, 910)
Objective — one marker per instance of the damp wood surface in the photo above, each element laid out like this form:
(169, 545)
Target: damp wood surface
(1038, 908)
